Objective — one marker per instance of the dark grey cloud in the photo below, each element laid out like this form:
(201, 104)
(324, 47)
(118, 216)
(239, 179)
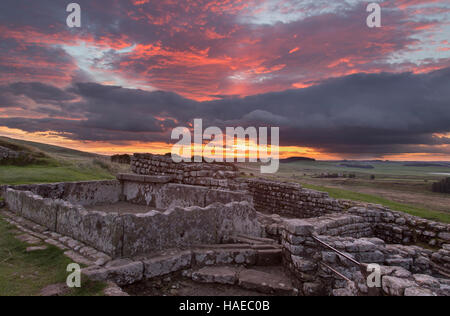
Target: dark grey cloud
(362, 114)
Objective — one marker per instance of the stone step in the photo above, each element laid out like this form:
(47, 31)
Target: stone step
(252, 240)
(267, 283)
(254, 280)
(266, 254)
(269, 257)
(221, 275)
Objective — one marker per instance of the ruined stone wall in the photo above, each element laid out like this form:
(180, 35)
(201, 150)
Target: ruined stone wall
(84, 192)
(202, 174)
(130, 235)
(8, 154)
(290, 199)
(183, 228)
(158, 192)
(401, 228)
(406, 270)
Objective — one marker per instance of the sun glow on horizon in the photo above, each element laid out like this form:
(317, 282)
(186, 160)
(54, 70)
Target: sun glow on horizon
(161, 148)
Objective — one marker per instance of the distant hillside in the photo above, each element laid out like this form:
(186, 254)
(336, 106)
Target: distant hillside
(295, 159)
(12, 153)
(357, 165)
(59, 152)
(427, 164)
(51, 164)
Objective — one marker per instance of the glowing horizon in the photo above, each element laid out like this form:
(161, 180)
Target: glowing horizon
(134, 70)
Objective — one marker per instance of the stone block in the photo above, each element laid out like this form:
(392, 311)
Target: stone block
(396, 286)
(122, 272)
(298, 227)
(166, 264)
(221, 275)
(99, 230)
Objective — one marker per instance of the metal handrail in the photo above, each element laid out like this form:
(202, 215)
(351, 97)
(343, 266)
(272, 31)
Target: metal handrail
(337, 251)
(335, 271)
(360, 265)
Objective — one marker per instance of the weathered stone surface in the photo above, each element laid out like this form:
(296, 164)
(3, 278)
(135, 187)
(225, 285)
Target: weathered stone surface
(39, 210)
(264, 282)
(303, 265)
(298, 227)
(445, 236)
(167, 264)
(13, 200)
(395, 286)
(99, 230)
(92, 192)
(398, 272)
(312, 289)
(121, 272)
(221, 275)
(113, 290)
(426, 280)
(405, 263)
(418, 291)
(59, 289)
(361, 246)
(144, 179)
(346, 291)
(78, 258)
(144, 233)
(37, 248)
(370, 257)
(236, 218)
(290, 199)
(29, 239)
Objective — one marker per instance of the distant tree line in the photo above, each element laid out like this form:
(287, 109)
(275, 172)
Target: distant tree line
(442, 186)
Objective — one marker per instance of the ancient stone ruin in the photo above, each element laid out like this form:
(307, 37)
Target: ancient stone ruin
(205, 223)
(7, 155)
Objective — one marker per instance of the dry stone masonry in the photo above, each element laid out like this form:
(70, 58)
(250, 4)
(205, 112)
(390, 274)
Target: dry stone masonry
(8, 154)
(204, 222)
(290, 199)
(218, 175)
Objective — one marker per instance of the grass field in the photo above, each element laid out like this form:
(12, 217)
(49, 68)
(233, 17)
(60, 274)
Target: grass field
(27, 273)
(48, 174)
(58, 165)
(23, 273)
(395, 185)
(410, 209)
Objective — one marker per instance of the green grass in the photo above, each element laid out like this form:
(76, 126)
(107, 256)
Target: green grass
(25, 274)
(55, 164)
(386, 169)
(48, 174)
(355, 196)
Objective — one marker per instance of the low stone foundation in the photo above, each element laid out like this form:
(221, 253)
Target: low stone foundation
(401, 228)
(159, 192)
(401, 265)
(215, 175)
(188, 217)
(290, 199)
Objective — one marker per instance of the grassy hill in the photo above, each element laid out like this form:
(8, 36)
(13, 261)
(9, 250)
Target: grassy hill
(56, 164)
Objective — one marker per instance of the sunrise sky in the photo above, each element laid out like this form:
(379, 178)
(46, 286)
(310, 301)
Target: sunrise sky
(138, 68)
